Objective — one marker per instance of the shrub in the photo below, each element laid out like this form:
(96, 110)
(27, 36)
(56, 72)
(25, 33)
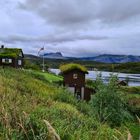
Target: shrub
(90, 83)
(108, 104)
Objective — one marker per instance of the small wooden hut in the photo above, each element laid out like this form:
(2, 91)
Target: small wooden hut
(74, 79)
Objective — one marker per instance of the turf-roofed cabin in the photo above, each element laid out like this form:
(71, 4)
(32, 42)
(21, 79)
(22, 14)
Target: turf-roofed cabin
(12, 57)
(74, 80)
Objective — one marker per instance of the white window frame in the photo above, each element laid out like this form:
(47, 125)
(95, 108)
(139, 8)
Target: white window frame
(75, 76)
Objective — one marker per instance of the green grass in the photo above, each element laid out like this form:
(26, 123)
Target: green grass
(132, 90)
(10, 52)
(48, 76)
(135, 130)
(133, 95)
(29, 97)
(72, 66)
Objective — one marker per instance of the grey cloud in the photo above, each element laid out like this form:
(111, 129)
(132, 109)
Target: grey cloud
(80, 12)
(62, 12)
(119, 10)
(15, 38)
(51, 38)
(80, 48)
(74, 27)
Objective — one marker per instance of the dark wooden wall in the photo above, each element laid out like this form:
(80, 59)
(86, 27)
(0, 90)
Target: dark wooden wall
(13, 64)
(78, 84)
(71, 82)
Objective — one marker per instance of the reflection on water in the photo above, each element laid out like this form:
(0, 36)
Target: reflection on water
(134, 79)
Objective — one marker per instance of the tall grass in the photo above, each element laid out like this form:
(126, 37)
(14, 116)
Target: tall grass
(26, 101)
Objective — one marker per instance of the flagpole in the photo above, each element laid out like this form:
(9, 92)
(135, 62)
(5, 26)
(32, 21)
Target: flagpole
(43, 60)
(43, 70)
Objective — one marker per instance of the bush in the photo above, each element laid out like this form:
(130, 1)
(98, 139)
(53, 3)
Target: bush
(90, 83)
(108, 104)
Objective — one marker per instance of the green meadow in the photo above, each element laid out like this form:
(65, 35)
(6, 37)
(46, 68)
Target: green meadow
(28, 97)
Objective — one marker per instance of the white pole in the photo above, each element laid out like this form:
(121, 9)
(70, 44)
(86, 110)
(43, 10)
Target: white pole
(43, 69)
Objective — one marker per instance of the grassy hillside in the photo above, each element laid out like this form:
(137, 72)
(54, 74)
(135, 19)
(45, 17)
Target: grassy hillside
(28, 98)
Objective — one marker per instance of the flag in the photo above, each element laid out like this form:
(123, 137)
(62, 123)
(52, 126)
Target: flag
(41, 49)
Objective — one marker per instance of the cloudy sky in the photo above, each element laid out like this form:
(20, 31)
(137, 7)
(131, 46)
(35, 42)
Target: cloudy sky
(73, 27)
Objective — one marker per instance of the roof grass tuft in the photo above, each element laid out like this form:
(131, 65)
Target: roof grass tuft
(10, 52)
(72, 66)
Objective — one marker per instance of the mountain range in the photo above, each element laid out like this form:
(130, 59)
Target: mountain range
(105, 58)
(57, 55)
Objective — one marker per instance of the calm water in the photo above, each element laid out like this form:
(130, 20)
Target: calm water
(134, 79)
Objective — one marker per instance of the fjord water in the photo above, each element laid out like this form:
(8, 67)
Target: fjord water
(134, 79)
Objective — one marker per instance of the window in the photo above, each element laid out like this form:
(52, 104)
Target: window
(75, 76)
(19, 62)
(3, 60)
(6, 60)
(10, 60)
(20, 54)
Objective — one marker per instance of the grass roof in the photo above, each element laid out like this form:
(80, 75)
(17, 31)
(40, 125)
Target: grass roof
(10, 52)
(72, 66)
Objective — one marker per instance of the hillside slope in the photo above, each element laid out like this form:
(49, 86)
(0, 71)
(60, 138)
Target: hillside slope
(28, 98)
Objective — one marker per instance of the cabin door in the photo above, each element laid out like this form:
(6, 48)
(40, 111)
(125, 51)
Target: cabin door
(78, 93)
